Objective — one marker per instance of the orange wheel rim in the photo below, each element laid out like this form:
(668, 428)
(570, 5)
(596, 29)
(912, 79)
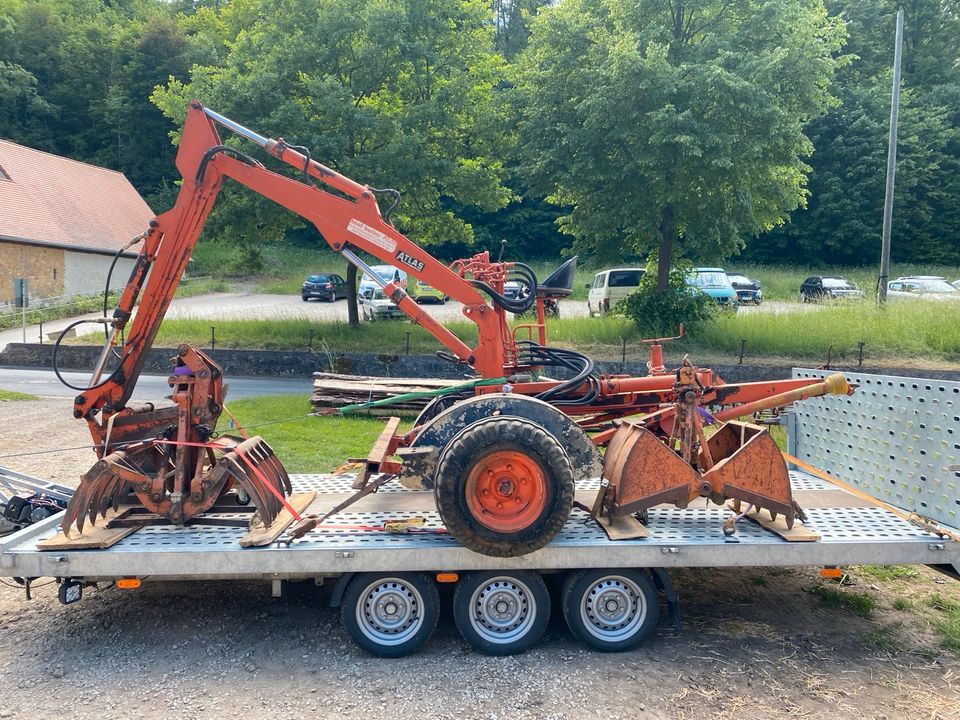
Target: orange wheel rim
(506, 491)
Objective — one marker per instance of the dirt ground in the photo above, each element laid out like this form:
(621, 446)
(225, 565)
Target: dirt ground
(756, 643)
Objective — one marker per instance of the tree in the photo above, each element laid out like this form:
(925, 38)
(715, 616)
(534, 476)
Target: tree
(394, 93)
(842, 223)
(675, 127)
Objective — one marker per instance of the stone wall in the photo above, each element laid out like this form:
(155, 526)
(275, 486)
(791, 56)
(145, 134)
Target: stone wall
(42, 266)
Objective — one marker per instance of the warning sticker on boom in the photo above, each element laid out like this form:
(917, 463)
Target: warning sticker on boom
(382, 240)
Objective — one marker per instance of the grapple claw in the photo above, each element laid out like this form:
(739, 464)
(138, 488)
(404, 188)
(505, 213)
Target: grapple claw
(258, 470)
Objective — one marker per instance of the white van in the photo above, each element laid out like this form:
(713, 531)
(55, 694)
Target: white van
(611, 286)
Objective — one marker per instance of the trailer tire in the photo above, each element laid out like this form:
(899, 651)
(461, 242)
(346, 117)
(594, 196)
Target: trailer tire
(504, 487)
(611, 610)
(390, 615)
(501, 612)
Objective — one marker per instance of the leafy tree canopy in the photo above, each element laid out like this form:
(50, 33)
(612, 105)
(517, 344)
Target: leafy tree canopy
(658, 122)
(393, 93)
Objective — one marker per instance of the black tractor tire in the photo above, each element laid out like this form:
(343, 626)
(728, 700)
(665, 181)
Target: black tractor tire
(484, 442)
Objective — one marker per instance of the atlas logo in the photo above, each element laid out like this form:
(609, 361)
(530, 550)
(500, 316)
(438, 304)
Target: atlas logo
(410, 260)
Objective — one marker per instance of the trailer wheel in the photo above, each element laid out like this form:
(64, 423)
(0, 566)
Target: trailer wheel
(390, 615)
(501, 613)
(610, 610)
(504, 486)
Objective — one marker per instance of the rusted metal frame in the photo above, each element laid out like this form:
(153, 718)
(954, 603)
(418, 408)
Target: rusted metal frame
(386, 445)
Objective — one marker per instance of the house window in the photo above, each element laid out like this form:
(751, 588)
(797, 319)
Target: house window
(54, 273)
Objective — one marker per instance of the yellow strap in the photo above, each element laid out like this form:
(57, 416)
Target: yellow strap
(913, 518)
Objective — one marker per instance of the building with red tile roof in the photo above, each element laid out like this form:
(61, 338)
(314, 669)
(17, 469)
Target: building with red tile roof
(61, 223)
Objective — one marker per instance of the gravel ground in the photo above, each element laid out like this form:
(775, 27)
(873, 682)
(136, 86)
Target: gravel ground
(756, 644)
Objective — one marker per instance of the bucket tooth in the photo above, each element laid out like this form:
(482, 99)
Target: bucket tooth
(749, 467)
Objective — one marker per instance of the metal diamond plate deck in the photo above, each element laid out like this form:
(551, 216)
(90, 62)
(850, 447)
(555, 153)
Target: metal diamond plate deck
(896, 438)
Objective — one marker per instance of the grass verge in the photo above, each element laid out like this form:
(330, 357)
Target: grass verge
(8, 395)
(304, 444)
(948, 623)
(858, 603)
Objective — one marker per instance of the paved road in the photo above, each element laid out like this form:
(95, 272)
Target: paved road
(150, 387)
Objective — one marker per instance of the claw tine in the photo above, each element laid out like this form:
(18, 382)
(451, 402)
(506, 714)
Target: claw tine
(250, 485)
(101, 488)
(773, 515)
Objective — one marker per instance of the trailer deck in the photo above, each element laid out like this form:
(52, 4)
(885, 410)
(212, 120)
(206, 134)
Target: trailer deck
(852, 531)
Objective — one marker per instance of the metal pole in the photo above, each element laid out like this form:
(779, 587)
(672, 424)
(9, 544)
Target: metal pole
(891, 164)
(23, 322)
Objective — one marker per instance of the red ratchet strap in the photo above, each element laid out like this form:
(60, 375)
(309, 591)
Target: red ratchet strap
(256, 470)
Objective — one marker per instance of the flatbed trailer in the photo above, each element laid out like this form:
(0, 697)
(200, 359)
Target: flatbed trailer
(897, 439)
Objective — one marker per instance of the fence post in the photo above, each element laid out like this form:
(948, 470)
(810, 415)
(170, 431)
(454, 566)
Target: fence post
(408, 343)
(743, 344)
(213, 337)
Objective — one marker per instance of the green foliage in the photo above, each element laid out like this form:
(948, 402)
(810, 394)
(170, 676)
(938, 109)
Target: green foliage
(75, 80)
(657, 313)
(843, 220)
(655, 123)
(394, 93)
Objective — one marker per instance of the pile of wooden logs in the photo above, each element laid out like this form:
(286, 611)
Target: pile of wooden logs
(331, 390)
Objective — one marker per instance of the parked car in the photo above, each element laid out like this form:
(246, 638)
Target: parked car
(828, 287)
(387, 273)
(748, 290)
(328, 286)
(921, 287)
(610, 286)
(421, 292)
(715, 283)
(374, 305)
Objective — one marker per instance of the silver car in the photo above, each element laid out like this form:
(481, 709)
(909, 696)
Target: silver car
(922, 287)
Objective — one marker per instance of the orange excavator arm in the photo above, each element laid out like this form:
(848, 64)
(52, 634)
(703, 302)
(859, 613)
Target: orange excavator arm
(345, 213)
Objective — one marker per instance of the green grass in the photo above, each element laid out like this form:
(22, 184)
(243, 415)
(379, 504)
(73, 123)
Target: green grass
(890, 572)
(901, 330)
(307, 444)
(858, 603)
(948, 624)
(902, 604)
(8, 395)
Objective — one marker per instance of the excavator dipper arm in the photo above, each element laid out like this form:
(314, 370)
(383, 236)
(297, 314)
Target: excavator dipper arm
(345, 213)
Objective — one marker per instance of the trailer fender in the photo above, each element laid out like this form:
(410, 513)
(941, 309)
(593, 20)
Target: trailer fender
(336, 597)
(662, 579)
(439, 431)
